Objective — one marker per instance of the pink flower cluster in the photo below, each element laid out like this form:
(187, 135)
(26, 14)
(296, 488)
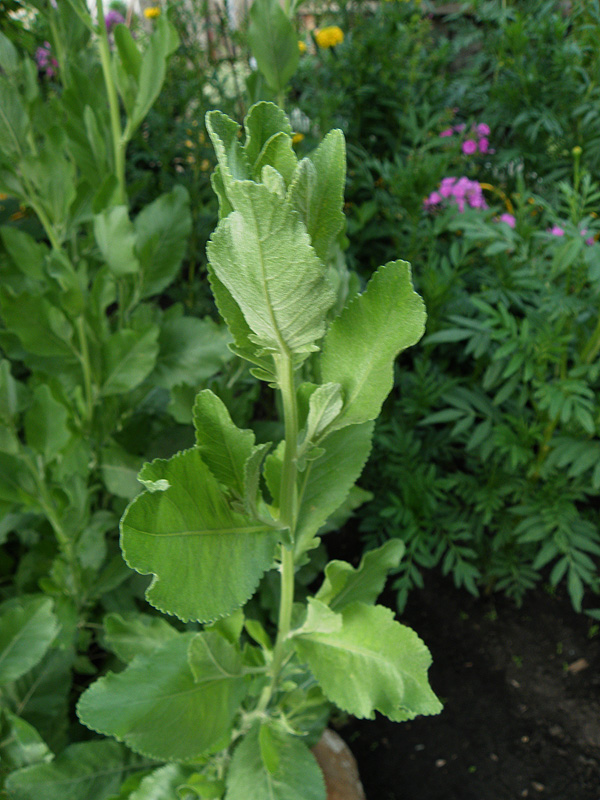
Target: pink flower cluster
(478, 140)
(556, 230)
(457, 191)
(46, 63)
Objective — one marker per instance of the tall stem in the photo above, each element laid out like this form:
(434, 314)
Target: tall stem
(113, 103)
(288, 507)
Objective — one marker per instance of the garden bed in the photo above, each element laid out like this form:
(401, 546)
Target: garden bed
(522, 705)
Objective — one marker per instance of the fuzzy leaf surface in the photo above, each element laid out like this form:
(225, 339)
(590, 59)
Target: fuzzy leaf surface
(317, 192)
(372, 664)
(158, 707)
(286, 770)
(362, 343)
(207, 559)
(262, 254)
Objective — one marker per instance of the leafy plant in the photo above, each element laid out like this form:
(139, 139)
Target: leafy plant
(244, 706)
(497, 424)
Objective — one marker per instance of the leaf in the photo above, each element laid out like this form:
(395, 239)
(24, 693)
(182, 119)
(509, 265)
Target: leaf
(120, 470)
(372, 664)
(223, 446)
(163, 43)
(42, 327)
(263, 122)
(162, 230)
(28, 628)
(14, 122)
(46, 424)
(325, 483)
(325, 404)
(262, 254)
(161, 784)
(159, 708)
(191, 350)
(317, 192)
(129, 357)
(26, 254)
(115, 236)
(84, 770)
(42, 695)
(136, 635)
(273, 42)
(20, 745)
(285, 770)
(362, 343)
(343, 584)
(207, 559)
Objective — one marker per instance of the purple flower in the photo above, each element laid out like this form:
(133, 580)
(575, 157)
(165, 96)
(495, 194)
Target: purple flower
(113, 18)
(590, 240)
(461, 192)
(509, 219)
(447, 132)
(482, 129)
(460, 128)
(483, 145)
(556, 230)
(469, 147)
(46, 63)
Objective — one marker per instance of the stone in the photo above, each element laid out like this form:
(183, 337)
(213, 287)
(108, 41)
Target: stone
(339, 767)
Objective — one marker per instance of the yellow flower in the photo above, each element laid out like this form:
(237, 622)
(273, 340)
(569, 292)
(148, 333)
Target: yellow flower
(301, 46)
(577, 151)
(189, 143)
(297, 138)
(329, 37)
(152, 12)
(205, 165)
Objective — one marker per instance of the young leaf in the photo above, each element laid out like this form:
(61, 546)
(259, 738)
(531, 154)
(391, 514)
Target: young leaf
(362, 343)
(223, 446)
(28, 628)
(282, 769)
(262, 254)
(344, 584)
(207, 559)
(263, 122)
(84, 770)
(317, 192)
(158, 707)
(372, 664)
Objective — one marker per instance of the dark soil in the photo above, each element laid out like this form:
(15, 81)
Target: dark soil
(521, 694)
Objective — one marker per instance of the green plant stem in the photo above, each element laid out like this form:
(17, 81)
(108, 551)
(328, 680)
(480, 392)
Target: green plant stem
(85, 366)
(288, 509)
(113, 103)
